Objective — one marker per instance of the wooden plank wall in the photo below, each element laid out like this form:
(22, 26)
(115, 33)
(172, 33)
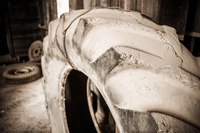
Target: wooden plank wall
(194, 17)
(6, 38)
(24, 16)
(174, 13)
(165, 12)
(125, 4)
(146, 7)
(3, 41)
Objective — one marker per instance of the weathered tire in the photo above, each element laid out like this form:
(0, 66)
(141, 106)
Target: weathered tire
(81, 107)
(21, 73)
(77, 113)
(35, 51)
(99, 111)
(148, 79)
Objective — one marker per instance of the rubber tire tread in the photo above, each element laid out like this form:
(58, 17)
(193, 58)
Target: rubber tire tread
(22, 78)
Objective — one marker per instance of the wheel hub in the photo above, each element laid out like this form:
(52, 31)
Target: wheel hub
(23, 70)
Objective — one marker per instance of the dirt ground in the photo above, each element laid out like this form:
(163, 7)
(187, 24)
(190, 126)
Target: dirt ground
(22, 107)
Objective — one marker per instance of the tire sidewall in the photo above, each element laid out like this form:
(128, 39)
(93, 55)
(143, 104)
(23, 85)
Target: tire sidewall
(10, 77)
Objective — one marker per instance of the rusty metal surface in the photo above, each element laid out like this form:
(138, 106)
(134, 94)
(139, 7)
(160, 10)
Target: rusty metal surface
(138, 66)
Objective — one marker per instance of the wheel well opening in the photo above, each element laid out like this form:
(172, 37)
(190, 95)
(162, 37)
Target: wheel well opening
(77, 112)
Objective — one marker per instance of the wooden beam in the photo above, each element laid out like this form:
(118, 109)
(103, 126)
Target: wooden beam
(79, 4)
(4, 8)
(72, 5)
(87, 4)
(121, 4)
(138, 6)
(192, 44)
(53, 9)
(114, 3)
(147, 8)
(127, 4)
(105, 3)
(193, 34)
(133, 5)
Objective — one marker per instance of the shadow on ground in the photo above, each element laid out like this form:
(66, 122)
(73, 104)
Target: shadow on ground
(22, 107)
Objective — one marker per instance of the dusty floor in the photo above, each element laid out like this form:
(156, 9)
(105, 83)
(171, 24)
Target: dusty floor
(22, 108)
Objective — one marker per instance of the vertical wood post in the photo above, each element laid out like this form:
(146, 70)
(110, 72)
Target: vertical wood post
(9, 40)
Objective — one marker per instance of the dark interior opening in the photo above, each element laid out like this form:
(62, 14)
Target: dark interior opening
(78, 115)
